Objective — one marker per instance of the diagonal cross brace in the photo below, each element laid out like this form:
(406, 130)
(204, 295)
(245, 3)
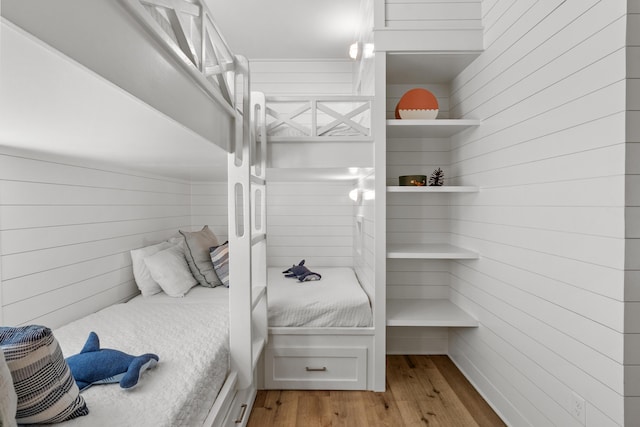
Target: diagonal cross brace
(343, 118)
(287, 118)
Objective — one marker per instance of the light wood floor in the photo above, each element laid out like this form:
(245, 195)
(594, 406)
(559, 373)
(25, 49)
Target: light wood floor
(421, 391)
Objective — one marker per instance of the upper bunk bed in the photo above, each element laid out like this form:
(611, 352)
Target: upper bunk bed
(163, 95)
(171, 58)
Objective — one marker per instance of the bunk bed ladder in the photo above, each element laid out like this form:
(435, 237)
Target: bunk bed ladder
(247, 239)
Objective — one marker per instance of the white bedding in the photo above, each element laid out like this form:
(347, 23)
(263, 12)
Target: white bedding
(190, 335)
(335, 300)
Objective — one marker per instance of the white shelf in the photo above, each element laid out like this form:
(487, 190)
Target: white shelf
(429, 189)
(438, 128)
(427, 312)
(429, 251)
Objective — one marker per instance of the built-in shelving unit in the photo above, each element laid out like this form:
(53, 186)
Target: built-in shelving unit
(438, 128)
(427, 312)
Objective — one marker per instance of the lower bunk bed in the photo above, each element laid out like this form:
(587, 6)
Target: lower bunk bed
(320, 332)
(190, 335)
(190, 385)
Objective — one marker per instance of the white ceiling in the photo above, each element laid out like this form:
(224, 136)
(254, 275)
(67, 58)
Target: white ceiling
(288, 29)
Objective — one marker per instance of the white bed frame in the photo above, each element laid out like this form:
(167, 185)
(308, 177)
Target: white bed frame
(313, 119)
(193, 38)
(329, 358)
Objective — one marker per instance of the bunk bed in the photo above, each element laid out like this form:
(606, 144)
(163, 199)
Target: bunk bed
(187, 33)
(321, 333)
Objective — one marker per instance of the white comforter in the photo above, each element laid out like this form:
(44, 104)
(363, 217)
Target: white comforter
(190, 335)
(335, 300)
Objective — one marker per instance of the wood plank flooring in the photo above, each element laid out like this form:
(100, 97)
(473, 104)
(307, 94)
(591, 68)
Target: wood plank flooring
(421, 391)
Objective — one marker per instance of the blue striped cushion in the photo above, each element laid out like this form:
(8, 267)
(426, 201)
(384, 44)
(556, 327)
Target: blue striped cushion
(220, 260)
(47, 392)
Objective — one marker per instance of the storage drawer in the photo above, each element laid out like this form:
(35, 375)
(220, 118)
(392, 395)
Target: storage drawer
(316, 368)
(240, 409)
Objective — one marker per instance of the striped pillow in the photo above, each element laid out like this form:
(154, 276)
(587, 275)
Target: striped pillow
(220, 260)
(47, 392)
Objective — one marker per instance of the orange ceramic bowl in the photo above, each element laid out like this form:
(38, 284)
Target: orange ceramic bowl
(417, 104)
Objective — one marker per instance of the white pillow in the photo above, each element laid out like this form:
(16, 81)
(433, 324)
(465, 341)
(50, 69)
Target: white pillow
(145, 282)
(8, 396)
(170, 269)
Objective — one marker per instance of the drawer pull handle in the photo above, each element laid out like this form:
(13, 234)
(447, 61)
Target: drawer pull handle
(308, 369)
(243, 407)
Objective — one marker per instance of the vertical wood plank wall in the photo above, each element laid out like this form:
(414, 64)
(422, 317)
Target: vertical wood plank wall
(549, 221)
(632, 219)
(66, 230)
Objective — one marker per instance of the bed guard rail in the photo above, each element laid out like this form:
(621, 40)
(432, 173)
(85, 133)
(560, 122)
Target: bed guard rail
(324, 118)
(187, 29)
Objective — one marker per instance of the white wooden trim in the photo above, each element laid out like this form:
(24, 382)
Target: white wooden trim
(223, 401)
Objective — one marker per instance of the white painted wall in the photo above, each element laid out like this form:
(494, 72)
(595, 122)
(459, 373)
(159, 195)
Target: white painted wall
(549, 221)
(279, 78)
(66, 230)
(313, 221)
(632, 220)
(209, 207)
(432, 14)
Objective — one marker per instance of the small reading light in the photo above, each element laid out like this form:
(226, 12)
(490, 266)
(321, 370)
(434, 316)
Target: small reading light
(355, 50)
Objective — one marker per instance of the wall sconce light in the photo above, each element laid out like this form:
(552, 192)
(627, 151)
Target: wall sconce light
(355, 50)
(358, 50)
(358, 195)
(355, 195)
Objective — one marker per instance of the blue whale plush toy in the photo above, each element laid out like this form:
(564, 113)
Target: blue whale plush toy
(94, 365)
(302, 273)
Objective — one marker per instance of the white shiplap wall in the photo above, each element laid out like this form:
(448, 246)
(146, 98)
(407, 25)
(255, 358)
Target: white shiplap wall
(312, 221)
(66, 230)
(284, 78)
(209, 207)
(549, 221)
(632, 220)
(432, 14)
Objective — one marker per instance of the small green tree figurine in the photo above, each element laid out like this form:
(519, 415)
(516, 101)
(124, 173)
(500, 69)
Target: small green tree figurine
(436, 179)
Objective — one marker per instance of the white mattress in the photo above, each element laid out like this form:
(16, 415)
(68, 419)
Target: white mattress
(190, 335)
(335, 300)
